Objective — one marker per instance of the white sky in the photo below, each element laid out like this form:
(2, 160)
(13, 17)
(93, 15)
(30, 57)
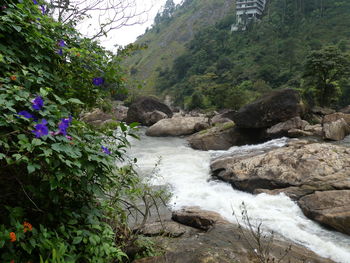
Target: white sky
(128, 34)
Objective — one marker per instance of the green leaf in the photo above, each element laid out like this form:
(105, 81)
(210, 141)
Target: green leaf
(77, 240)
(75, 101)
(17, 28)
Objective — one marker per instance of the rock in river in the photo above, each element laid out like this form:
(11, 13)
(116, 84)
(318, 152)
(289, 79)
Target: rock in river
(175, 126)
(299, 170)
(278, 106)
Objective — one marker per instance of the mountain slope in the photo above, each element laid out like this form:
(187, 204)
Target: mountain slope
(167, 40)
(228, 69)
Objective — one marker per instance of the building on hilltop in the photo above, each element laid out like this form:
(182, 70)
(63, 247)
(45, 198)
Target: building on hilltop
(247, 11)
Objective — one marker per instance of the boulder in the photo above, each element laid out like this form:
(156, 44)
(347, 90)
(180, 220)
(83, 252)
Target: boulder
(167, 228)
(120, 112)
(296, 133)
(320, 165)
(316, 129)
(154, 116)
(142, 108)
(223, 117)
(276, 107)
(345, 109)
(282, 128)
(175, 126)
(336, 116)
(330, 208)
(197, 218)
(200, 126)
(97, 115)
(336, 130)
(322, 111)
(299, 169)
(220, 137)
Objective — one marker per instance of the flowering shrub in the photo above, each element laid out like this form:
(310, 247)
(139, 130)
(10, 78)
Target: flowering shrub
(59, 184)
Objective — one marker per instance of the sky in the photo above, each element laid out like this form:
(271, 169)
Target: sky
(127, 34)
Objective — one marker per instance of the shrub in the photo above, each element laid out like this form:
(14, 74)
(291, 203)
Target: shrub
(61, 193)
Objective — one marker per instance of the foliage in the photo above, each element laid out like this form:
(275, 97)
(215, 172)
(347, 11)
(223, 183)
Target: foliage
(269, 53)
(62, 196)
(324, 70)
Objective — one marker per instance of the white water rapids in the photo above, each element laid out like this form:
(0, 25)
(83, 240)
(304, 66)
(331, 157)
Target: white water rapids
(186, 171)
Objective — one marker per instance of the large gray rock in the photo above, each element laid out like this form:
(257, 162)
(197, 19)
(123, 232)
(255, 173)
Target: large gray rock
(140, 110)
(316, 129)
(318, 165)
(175, 126)
(154, 116)
(121, 112)
(336, 130)
(278, 106)
(224, 116)
(330, 208)
(336, 116)
(221, 137)
(345, 109)
(224, 243)
(298, 170)
(282, 128)
(322, 111)
(197, 218)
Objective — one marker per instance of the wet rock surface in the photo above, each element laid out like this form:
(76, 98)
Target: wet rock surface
(223, 242)
(330, 208)
(299, 170)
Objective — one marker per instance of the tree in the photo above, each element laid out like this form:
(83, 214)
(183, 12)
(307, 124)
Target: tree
(110, 15)
(324, 70)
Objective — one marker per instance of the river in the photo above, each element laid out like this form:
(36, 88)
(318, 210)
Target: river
(186, 172)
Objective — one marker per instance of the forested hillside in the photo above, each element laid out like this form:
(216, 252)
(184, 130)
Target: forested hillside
(220, 68)
(173, 28)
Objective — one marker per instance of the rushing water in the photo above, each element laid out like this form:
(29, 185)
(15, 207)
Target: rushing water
(186, 172)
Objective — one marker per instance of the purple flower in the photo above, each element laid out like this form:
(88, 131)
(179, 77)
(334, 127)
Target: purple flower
(38, 103)
(42, 8)
(61, 43)
(98, 81)
(26, 114)
(35, 2)
(60, 52)
(70, 138)
(64, 124)
(41, 129)
(105, 150)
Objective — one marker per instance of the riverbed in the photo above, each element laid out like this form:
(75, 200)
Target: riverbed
(170, 161)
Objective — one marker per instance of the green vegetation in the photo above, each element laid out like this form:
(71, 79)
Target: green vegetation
(326, 72)
(224, 69)
(167, 39)
(62, 197)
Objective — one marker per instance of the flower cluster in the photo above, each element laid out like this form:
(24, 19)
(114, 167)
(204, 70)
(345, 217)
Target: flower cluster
(41, 129)
(27, 227)
(13, 237)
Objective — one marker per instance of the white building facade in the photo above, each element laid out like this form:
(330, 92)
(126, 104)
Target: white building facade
(247, 10)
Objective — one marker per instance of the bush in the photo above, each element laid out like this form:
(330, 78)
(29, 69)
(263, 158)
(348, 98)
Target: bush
(61, 193)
